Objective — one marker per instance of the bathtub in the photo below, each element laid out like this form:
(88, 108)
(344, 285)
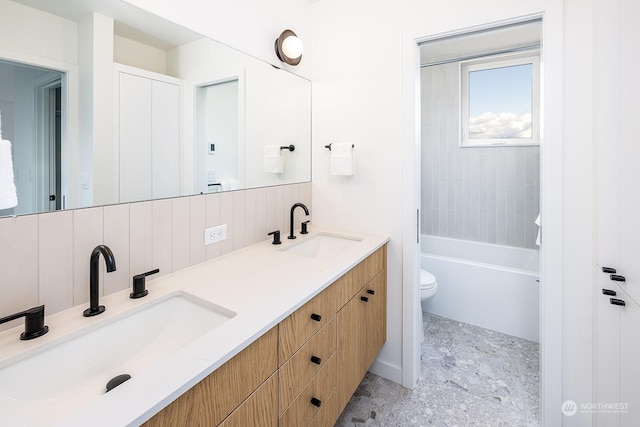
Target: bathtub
(491, 286)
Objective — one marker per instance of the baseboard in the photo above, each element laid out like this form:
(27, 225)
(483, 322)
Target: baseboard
(386, 370)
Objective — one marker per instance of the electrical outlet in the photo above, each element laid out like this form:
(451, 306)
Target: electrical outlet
(215, 234)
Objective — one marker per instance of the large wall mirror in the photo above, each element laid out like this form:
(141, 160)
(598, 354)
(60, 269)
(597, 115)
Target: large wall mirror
(104, 103)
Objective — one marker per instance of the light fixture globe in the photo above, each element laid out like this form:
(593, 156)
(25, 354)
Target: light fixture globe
(289, 48)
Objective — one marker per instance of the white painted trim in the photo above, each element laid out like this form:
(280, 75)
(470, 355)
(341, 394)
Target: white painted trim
(550, 201)
(387, 370)
(411, 311)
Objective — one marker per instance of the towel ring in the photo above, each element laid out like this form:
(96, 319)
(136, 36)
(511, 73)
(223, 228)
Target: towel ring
(288, 147)
(329, 146)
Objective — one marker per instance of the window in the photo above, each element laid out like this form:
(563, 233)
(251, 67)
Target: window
(500, 100)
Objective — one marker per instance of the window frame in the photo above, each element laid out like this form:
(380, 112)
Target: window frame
(500, 61)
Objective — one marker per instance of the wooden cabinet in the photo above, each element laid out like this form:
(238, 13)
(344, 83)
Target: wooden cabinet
(210, 401)
(302, 372)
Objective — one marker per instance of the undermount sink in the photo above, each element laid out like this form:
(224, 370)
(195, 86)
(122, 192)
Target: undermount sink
(323, 245)
(50, 384)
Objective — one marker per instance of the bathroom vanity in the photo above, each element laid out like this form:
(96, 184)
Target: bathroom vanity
(297, 327)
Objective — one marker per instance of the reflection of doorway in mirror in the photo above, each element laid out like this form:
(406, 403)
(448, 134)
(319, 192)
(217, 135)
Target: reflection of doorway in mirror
(217, 137)
(33, 114)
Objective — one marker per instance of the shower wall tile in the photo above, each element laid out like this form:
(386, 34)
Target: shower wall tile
(48, 259)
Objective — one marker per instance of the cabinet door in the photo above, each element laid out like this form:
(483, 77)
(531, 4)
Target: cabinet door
(630, 363)
(351, 342)
(135, 138)
(608, 354)
(375, 321)
(165, 146)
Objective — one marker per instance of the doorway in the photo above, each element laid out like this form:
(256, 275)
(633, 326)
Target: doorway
(32, 115)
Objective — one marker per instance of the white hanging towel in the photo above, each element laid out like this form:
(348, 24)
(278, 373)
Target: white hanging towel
(8, 192)
(342, 159)
(272, 159)
(537, 222)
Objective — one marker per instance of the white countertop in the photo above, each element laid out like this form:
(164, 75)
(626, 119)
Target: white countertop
(262, 284)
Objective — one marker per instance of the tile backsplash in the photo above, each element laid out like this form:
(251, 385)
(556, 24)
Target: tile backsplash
(44, 258)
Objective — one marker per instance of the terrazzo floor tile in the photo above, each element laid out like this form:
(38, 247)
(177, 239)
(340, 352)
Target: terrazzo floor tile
(470, 376)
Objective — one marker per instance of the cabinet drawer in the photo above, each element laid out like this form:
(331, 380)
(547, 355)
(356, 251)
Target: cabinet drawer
(300, 369)
(329, 412)
(215, 397)
(259, 410)
(302, 411)
(349, 284)
(296, 329)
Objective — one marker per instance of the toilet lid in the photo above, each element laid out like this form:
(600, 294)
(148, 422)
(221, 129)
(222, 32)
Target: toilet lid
(427, 280)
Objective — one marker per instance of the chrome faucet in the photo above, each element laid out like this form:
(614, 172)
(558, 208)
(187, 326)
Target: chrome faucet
(94, 279)
(293, 208)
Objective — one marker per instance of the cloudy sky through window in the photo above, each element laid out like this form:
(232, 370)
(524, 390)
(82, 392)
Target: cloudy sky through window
(500, 102)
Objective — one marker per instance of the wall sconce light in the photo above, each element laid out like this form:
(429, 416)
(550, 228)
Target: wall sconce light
(289, 48)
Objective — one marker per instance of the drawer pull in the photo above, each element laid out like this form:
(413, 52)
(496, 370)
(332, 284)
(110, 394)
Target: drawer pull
(616, 301)
(365, 299)
(316, 317)
(316, 402)
(609, 292)
(316, 360)
(608, 270)
(371, 292)
(617, 278)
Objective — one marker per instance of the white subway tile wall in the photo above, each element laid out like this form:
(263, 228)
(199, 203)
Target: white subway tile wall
(44, 258)
(488, 194)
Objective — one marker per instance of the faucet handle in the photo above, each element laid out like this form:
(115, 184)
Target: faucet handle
(304, 227)
(139, 290)
(34, 326)
(276, 237)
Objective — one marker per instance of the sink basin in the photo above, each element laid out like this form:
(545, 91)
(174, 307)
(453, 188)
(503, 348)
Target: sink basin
(323, 245)
(50, 384)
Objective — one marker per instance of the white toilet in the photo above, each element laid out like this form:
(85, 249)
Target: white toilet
(428, 286)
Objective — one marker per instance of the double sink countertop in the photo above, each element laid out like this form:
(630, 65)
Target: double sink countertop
(257, 287)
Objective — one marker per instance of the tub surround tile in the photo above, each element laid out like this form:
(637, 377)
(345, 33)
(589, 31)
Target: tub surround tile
(19, 266)
(55, 260)
(88, 232)
(469, 376)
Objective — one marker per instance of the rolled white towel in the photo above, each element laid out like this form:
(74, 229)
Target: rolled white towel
(8, 192)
